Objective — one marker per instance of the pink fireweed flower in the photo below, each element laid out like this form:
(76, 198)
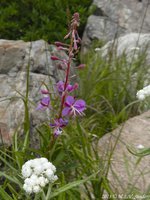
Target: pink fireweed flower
(58, 125)
(61, 87)
(44, 103)
(73, 107)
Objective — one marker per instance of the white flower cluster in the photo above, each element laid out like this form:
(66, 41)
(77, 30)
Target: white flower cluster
(37, 173)
(145, 92)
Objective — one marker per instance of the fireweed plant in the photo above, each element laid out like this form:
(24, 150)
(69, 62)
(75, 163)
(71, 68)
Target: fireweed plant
(69, 105)
(38, 172)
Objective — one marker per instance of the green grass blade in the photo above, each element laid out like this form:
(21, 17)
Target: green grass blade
(11, 178)
(71, 185)
(4, 195)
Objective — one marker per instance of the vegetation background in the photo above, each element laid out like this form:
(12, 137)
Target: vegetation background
(40, 19)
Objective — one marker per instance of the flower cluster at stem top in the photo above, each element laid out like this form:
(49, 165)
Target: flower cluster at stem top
(69, 105)
(37, 173)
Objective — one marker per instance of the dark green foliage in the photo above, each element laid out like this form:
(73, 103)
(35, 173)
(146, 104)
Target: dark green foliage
(39, 19)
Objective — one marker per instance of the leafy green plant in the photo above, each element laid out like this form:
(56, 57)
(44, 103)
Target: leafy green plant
(39, 19)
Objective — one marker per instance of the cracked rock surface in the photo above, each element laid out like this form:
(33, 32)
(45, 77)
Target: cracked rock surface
(15, 57)
(113, 18)
(127, 172)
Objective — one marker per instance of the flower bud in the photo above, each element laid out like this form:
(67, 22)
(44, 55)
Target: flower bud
(58, 44)
(44, 91)
(55, 58)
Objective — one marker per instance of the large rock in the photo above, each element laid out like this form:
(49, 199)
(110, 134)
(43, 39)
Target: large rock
(113, 18)
(127, 172)
(132, 45)
(15, 56)
(133, 52)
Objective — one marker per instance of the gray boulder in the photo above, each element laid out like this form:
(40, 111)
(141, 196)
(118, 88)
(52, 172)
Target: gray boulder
(15, 56)
(113, 18)
(127, 172)
(132, 45)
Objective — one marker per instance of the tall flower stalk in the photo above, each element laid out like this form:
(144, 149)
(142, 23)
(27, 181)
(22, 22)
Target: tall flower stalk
(69, 105)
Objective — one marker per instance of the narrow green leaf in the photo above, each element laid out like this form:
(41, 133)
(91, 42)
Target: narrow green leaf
(4, 195)
(7, 163)
(140, 153)
(11, 178)
(71, 185)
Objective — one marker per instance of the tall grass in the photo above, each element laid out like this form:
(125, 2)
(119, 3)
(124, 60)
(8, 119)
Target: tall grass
(109, 88)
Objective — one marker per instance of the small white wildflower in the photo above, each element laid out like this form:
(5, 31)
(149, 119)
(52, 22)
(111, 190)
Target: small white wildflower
(47, 165)
(36, 189)
(140, 146)
(46, 180)
(34, 178)
(27, 188)
(38, 169)
(27, 181)
(97, 49)
(53, 168)
(26, 172)
(142, 94)
(28, 163)
(30, 181)
(37, 173)
(42, 181)
(49, 173)
(54, 178)
(43, 160)
(34, 163)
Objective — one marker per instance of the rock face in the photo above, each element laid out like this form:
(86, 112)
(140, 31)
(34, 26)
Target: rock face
(15, 56)
(127, 170)
(132, 45)
(113, 18)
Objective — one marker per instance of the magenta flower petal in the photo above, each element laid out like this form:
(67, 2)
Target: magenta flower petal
(66, 111)
(80, 105)
(70, 88)
(45, 101)
(69, 101)
(60, 86)
(63, 122)
(73, 108)
(39, 107)
(59, 123)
